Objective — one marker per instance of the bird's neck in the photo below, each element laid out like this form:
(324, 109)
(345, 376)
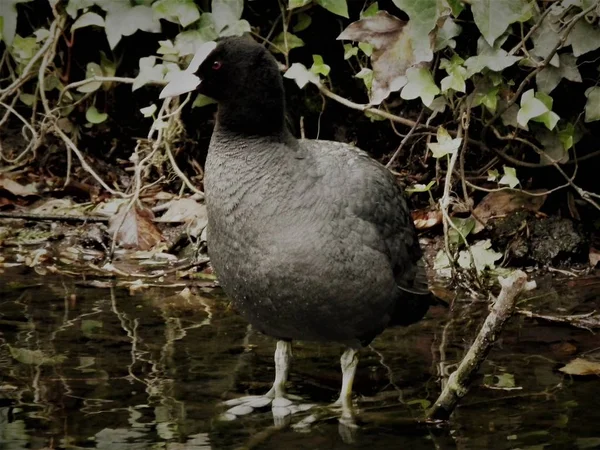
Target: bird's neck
(255, 112)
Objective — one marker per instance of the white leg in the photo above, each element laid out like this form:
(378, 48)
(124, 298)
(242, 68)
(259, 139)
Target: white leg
(283, 356)
(349, 361)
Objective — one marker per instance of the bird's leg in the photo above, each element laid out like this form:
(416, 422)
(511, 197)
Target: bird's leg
(283, 355)
(348, 362)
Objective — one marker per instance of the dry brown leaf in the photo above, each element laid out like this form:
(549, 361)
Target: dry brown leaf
(426, 218)
(17, 188)
(501, 203)
(393, 51)
(137, 229)
(594, 256)
(183, 210)
(580, 366)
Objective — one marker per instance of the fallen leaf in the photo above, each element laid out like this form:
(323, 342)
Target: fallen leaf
(136, 229)
(183, 210)
(18, 189)
(583, 367)
(426, 218)
(502, 203)
(594, 256)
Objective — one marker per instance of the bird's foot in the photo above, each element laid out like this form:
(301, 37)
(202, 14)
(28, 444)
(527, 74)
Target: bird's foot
(347, 427)
(283, 406)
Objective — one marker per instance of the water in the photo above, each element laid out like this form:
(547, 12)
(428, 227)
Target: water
(107, 368)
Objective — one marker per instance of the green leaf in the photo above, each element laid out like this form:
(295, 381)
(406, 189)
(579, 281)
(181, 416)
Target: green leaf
(456, 74)
(493, 175)
(339, 7)
(446, 34)
(584, 38)
(423, 15)
(456, 6)
(27, 99)
(94, 116)
(122, 19)
(190, 41)
(493, 58)
(226, 12)
(183, 12)
(301, 75)
(420, 84)
(237, 28)
(483, 256)
(92, 70)
(298, 3)
(148, 111)
(202, 100)
(279, 43)
(34, 357)
(549, 77)
(567, 136)
(88, 19)
(420, 187)
(304, 21)
(465, 226)
(9, 19)
(536, 107)
(366, 48)
(510, 177)
(370, 11)
(592, 106)
(73, 6)
(445, 144)
(493, 17)
(552, 146)
(23, 49)
(366, 75)
(350, 51)
(319, 67)
(149, 72)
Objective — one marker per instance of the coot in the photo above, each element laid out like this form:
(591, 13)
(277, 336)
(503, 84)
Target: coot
(311, 239)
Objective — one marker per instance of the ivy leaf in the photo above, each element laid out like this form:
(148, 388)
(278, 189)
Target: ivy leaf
(301, 75)
(510, 177)
(73, 6)
(183, 81)
(202, 100)
(445, 145)
(148, 111)
(485, 93)
(584, 38)
(149, 71)
(493, 175)
(592, 106)
(298, 3)
(226, 12)
(456, 6)
(420, 84)
(553, 148)
(350, 51)
(366, 75)
(568, 136)
(92, 70)
(423, 15)
(494, 58)
(547, 37)
(370, 11)
(446, 34)
(339, 7)
(9, 19)
(319, 67)
(190, 42)
(183, 12)
(535, 107)
(549, 77)
(122, 19)
(280, 40)
(237, 28)
(94, 116)
(456, 74)
(88, 19)
(483, 256)
(493, 17)
(304, 21)
(366, 48)
(392, 54)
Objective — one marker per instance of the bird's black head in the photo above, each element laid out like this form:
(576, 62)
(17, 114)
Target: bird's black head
(243, 77)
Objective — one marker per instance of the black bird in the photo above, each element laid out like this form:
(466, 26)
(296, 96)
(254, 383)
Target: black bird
(312, 240)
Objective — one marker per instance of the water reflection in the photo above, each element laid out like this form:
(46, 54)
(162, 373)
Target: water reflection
(106, 369)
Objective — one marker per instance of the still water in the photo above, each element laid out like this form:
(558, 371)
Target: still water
(115, 368)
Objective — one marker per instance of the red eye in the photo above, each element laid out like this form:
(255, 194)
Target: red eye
(216, 65)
